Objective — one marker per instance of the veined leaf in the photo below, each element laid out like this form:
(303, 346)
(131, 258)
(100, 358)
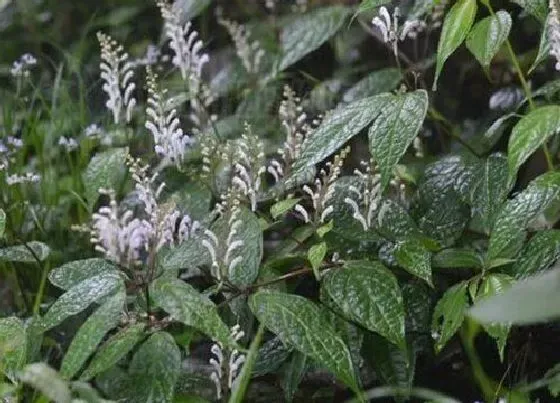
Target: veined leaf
(90, 334)
(508, 233)
(456, 26)
(544, 47)
(305, 34)
(113, 350)
(394, 129)
(541, 252)
(374, 83)
(72, 273)
(301, 324)
(530, 133)
(187, 305)
(80, 296)
(13, 347)
(537, 8)
(415, 258)
(272, 355)
(449, 314)
(369, 294)
(488, 35)
(105, 170)
(23, 254)
(340, 126)
(47, 381)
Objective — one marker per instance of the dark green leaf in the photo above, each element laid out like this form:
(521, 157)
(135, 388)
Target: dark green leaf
(293, 373)
(368, 294)
(366, 5)
(544, 47)
(12, 346)
(537, 8)
(47, 381)
(384, 80)
(189, 254)
(457, 258)
(23, 254)
(105, 171)
(449, 314)
(271, 356)
(394, 129)
(193, 198)
(302, 324)
(541, 252)
(73, 273)
(415, 258)
(488, 35)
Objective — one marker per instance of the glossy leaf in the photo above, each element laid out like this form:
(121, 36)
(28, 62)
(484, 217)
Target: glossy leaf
(456, 258)
(302, 324)
(541, 252)
(544, 47)
(416, 259)
(187, 305)
(340, 126)
(306, 33)
(31, 252)
(113, 350)
(456, 27)
(105, 170)
(80, 296)
(46, 380)
(283, 206)
(315, 255)
(449, 314)
(91, 333)
(368, 294)
(376, 82)
(508, 233)
(394, 129)
(530, 133)
(488, 35)
(72, 273)
(13, 347)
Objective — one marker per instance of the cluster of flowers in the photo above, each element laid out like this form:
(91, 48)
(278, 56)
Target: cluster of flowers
(234, 361)
(22, 67)
(391, 30)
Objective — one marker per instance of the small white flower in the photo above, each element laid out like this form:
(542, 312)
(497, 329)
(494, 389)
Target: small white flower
(69, 144)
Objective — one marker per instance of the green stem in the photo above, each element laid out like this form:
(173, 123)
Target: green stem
(41, 291)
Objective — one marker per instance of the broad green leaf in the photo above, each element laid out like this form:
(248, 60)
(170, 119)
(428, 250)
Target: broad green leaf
(537, 8)
(303, 325)
(531, 132)
(366, 5)
(394, 129)
(488, 35)
(80, 296)
(113, 350)
(13, 346)
(271, 356)
(456, 26)
(415, 258)
(249, 231)
(541, 252)
(533, 300)
(193, 198)
(47, 381)
(2, 223)
(394, 223)
(456, 258)
(544, 47)
(495, 284)
(368, 294)
(104, 171)
(281, 207)
(418, 304)
(28, 253)
(72, 273)
(154, 370)
(377, 82)
(292, 374)
(508, 233)
(187, 305)
(91, 333)
(315, 255)
(458, 173)
(490, 192)
(308, 32)
(340, 126)
(189, 254)
(449, 314)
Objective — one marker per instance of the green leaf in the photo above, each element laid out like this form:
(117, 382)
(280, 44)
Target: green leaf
(300, 323)
(72, 273)
(325, 229)
(292, 374)
(340, 126)
(104, 171)
(537, 8)
(541, 252)
(189, 254)
(377, 82)
(91, 333)
(531, 132)
(113, 350)
(47, 381)
(23, 254)
(271, 356)
(368, 294)
(249, 231)
(13, 347)
(495, 284)
(193, 198)
(416, 259)
(283, 206)
(418, 307)
(190, 9)
(533, 300)
(366, 5)
(491, 191)
(315, 255)
(544, 47)
(2, 223)
(449, 314)
(308, 32)
(457, 258)
(394, 223)
(187, 305)
(154, 370)
(456, 26)
(394, 129)
(80, 296)
(488, 35)
(509, 233)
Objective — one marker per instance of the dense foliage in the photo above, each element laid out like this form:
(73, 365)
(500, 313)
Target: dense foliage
(265, 200)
